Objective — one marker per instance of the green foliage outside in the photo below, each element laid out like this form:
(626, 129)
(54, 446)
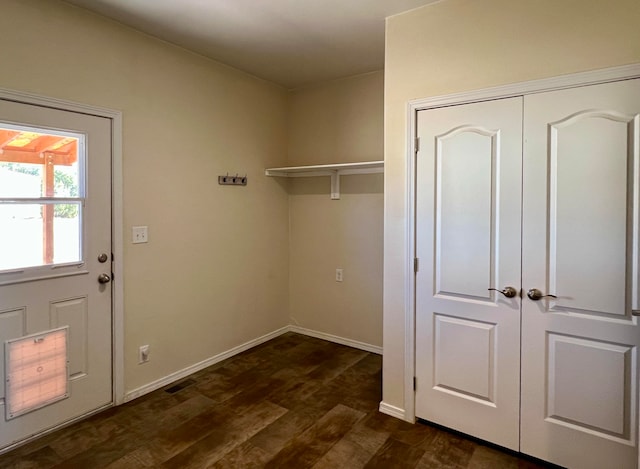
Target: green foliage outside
(64, 186)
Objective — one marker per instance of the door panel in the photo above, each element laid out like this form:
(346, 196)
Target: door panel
(580, 237)
(73, 313)
(599, 370)
(465, 203)
(58, 210)
(468, 240)
(587, 216)
(468, 371)
(12, 324)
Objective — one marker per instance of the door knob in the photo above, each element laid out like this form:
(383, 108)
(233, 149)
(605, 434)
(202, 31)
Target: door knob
(509, 292)
(535, 295)
(104, 278)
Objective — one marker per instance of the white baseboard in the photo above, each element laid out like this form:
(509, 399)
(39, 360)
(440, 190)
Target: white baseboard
(392, 410)
(336, 339)
(162, 382)
(147, 388)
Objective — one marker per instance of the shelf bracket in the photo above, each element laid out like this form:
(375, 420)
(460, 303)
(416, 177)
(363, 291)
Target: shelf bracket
(335, 185)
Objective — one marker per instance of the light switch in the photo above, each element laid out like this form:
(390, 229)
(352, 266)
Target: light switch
(140, 234)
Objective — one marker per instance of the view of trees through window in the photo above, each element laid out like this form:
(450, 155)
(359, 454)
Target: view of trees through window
(64, 183)
(40, 198)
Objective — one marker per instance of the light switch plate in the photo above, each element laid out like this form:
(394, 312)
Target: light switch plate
(139, 234)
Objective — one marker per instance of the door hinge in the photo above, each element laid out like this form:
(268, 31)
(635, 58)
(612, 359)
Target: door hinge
(416, 265)
(416, 144)
(415, 383)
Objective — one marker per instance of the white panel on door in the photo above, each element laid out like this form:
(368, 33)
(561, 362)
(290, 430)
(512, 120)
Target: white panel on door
(601, 373)
(73, 313)
(12, 326)
(588, 219)
(464, 357)
(465, 159)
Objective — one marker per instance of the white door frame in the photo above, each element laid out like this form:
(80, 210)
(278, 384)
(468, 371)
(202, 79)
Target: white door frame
(117, 241)
(506, 91)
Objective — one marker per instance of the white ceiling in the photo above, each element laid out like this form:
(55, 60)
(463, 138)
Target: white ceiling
(289, 42)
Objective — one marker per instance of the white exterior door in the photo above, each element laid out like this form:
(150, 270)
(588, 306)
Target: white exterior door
(55, 226)
(578, 295)
(580, 243)
(468, 240)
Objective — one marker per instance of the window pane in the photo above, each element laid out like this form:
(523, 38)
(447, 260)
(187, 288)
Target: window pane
(65, 181)
(39, 234)
(35, 163)
(20, 180)
(66, 233)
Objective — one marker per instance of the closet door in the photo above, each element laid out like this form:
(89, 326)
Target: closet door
(468, 192)
(580, 243)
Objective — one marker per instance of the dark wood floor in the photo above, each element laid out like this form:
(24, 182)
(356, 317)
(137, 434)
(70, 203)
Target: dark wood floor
(293, 402)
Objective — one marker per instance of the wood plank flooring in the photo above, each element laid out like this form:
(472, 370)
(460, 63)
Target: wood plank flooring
(293, 402)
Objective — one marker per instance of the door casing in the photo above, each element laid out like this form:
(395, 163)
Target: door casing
(117, 300)
(507, 91)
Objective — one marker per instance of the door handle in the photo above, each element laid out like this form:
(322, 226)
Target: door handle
(535, 295)
(509, 292)
(104, 278)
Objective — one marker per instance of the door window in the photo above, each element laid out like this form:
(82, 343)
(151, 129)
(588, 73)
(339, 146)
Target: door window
(41, 197)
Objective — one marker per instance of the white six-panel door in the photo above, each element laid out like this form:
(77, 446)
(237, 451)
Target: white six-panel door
(468, 240)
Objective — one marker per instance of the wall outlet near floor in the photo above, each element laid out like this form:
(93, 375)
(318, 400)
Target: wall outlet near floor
(143, 354)
(338, 275)
(139, 234)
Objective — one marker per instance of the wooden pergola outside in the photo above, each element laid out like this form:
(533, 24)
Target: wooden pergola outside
(29, 147)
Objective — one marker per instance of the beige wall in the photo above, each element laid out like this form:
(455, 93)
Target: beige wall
(215, 271)
(460, 45)
(337, 122)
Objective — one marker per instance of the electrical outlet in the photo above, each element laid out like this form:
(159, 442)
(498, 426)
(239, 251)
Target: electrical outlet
(139, 234)
(338, 275)
(143, 354)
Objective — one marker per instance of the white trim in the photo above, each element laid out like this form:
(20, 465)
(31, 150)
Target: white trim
(62, 104)
(159, 383)
(410, 294)
(393, 411)
(116, 217)
(624, 72)
(336, 339)
(117, 267)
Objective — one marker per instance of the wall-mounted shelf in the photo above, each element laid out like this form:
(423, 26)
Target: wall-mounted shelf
(332, 170)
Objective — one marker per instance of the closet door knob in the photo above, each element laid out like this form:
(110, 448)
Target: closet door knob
(535, 295)
(509, 292)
